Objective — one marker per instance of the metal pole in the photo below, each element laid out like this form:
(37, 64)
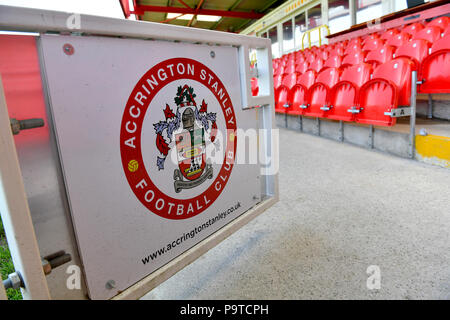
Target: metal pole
(412, 121)
(16, 216)
(300, 119)
(341, 131)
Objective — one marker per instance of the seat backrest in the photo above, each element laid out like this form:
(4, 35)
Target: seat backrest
(399, 39)
(430, 34)
(355, 41)
(333, 61)
(354, 58)
(399, 72)
(413, 28)
(356, 47)
(289, 80)
(414, 49)
(316, 65)
(357, 74)
(441, 22)
(389, 34)
(371, 37)
(329, 76)
(307, 79)
(277, 81)
(381, 55)
(301, 67)
(441, 44)
(373, 44)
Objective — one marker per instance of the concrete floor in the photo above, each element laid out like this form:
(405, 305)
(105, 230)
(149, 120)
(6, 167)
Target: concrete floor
(342, 209)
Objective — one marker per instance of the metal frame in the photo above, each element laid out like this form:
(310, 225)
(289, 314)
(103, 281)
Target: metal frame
(19, 226)
(16, 215)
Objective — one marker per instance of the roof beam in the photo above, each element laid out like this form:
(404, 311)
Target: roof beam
(233, 6)
(140, 10)
(195, 15)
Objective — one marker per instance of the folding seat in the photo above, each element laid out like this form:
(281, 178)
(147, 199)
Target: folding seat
(431, 34)
(301, 67)
(298, 93)
(281, 99)
(333, 61)
(399, 39)
(289, 80)
(416, 50)
(389, 34)
(316, 65)
(441, 22)
(290, 68)
(435, 68)
(389, 87)
(355, 41)
(318, 95)
(353, 48)
(337, 51)
(370, 37)
(380, 56)
(413, 28)
(323, 54)
(277, 81)
(311, 58)
(446, 32)
(255, 88)
(354, 58)
(344, 95)
(374, 44)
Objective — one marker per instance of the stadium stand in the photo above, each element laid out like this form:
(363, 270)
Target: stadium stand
(362, 79)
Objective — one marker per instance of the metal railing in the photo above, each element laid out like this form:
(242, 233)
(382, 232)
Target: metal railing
(308, 33)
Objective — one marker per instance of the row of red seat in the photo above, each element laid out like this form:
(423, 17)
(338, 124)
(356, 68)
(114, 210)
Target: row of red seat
(364, 78)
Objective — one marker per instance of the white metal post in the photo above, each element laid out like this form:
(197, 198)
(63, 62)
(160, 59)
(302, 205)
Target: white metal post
(16, 216)
(412, 121)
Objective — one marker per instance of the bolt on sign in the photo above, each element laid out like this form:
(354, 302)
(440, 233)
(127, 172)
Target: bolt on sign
(146, 132)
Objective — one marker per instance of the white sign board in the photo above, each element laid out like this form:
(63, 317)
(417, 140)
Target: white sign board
(146, 132)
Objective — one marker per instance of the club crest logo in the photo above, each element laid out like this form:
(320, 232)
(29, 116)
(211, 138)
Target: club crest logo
(186, 129)
(167, 97)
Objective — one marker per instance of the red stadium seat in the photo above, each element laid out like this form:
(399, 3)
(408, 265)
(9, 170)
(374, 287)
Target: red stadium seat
(337, 51)
(323, 54)
(355, 41)
(255, 88)
(277, 81)
(389, 34)
(289, 80)
(370, 37)
(354, 58)
(301, 67)
(446, 32)
(435, 68)
(416, 50)
(318, 94)
(374, 44)
(399, 39)
(290, 68)
(356, 47)
(413, 28)
(389, 88)
(441, 22)
(281, 99)
(344, 94)
(299, 92)
(380, 56)
(334, 61)
(316, 65)
(441, 44)
(431, 34)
